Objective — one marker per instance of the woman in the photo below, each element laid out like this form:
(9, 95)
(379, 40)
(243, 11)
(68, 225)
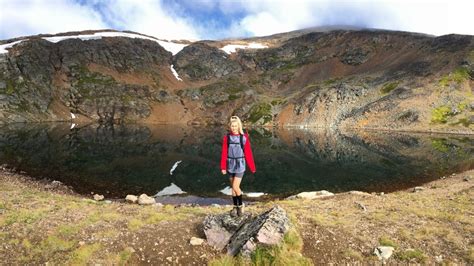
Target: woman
(236, 152)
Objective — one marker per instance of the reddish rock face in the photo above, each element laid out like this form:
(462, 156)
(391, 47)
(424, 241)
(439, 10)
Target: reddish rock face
(334, 79)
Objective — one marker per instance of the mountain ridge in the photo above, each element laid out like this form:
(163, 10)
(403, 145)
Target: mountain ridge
(334, 79)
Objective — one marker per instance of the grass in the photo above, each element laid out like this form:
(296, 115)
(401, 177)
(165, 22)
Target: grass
(124, 256)
(412, 255)
(389, 87)
(287, 253)
(441, 114)
(385, 241)
(353, 254)
(83, 254)
(459, 75)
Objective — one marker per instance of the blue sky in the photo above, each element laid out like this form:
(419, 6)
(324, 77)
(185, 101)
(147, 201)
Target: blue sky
(206, 19)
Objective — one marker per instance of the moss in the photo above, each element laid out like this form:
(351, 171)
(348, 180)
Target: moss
(388, 87)
(441, 114)
(10, 87)
(233, 97)
(459, 75)
(259, 111)
(84, 77)
(330, 81)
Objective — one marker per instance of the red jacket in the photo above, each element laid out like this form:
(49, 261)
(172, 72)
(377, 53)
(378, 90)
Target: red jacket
(247, 153)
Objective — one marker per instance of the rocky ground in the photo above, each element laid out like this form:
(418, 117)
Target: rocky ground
(43, 221)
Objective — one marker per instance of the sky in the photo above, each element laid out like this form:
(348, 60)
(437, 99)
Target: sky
(207, 19)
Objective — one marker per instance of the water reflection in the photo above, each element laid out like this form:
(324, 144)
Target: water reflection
(134, 159)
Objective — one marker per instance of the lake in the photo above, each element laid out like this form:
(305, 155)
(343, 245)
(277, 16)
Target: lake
(134, 159)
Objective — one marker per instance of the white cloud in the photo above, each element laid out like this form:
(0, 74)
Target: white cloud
(27, 17)
(149, 17)
(174, 20)
(266, 17)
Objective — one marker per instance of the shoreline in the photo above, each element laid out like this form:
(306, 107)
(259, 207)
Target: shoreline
(300, 127)
(42, 223)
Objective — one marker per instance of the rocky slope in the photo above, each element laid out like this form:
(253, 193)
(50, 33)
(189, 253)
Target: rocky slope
(333, 79)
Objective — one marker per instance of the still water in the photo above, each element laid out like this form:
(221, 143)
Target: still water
(134, 159)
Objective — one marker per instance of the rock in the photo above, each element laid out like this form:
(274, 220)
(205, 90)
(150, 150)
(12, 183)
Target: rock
(417, 189)
(439, 258)
(312, 195)
(220, 228)
(98, 197)
(361, 193)
(131, 199)
(383, 252)
(170, 259)
(195, 241)
(267, 229)
(144, 199)
(467, 178)
(108, 202)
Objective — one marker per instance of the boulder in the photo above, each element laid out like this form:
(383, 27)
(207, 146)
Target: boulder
(312, 195)
(98, 197)
(243, 234)
(131, 199)
(267, 229)
(383, 252)
(220, 228)
(144, 199)
(195, 241)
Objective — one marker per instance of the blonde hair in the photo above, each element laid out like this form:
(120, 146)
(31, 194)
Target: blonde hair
(236, 119)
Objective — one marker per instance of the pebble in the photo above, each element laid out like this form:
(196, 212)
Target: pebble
(170, 259)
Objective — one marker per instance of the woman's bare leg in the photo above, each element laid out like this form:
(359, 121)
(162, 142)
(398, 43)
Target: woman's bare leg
(232, 187)
(236, 186)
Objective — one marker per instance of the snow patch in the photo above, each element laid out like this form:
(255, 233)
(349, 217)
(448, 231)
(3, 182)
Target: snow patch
(232, 48)
(4, 47)
(170, 190)
(175, 73)
(172, 47)
(228, 191)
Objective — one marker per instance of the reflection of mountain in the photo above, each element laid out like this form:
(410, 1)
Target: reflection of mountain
(137, 159)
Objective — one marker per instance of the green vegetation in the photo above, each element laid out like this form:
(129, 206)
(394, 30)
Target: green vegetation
(10, 87)
(86, 77)
(354, 254)
(82, 255)
(459, 75)
(441, 114)
(388, 87)
(440, 145)
(287, 253)
(463, 121)
(412, 254)
(385, 241)
(278, 102)
(259, 111)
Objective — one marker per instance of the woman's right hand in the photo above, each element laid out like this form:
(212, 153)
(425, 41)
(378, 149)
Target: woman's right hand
(224, 172)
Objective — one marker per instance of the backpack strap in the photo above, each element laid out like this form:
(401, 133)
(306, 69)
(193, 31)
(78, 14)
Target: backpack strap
(241, 141)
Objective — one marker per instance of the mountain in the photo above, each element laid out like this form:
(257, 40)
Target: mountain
(318, 77)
